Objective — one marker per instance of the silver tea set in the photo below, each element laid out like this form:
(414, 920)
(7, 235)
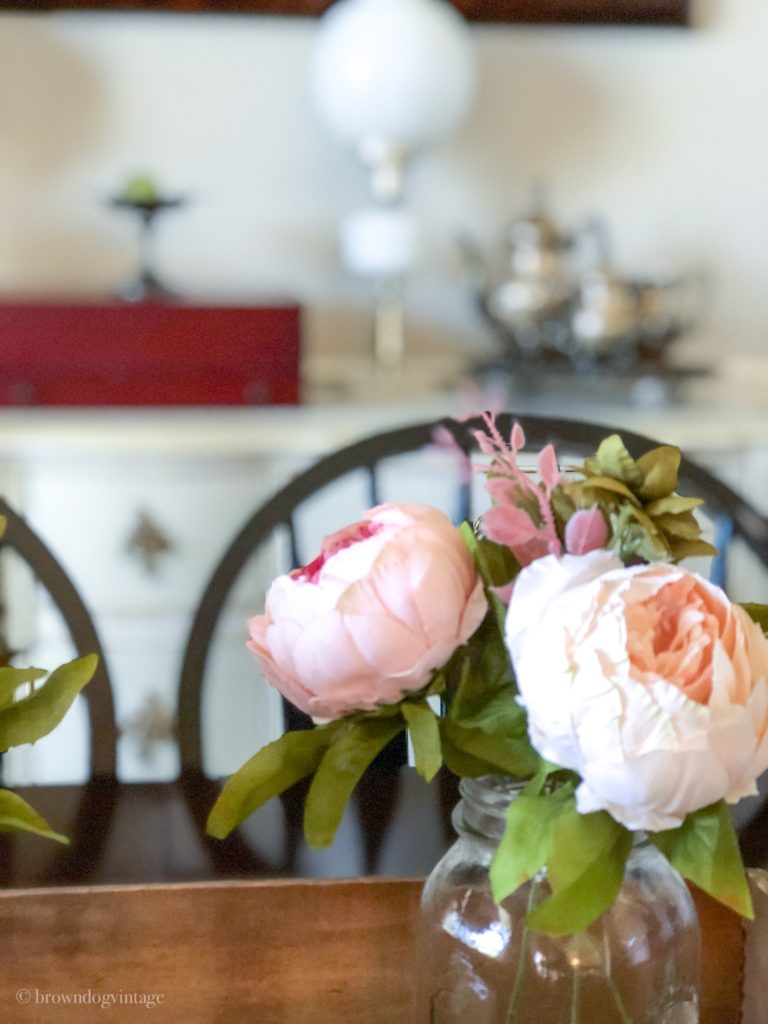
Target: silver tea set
(556, 304)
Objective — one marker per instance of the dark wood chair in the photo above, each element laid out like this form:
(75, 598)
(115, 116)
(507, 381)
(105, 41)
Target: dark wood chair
(735, 522)
(93, 804)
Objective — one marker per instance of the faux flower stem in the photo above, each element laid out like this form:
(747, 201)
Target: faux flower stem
(521, 963)
(575, 1009)
(576, 995)
(625, 1017)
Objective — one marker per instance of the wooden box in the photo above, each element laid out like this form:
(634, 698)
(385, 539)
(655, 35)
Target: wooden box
(152, 353)
(294, 952)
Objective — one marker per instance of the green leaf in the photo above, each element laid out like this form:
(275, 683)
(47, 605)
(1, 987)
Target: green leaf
(680, 549)
(632, 539)
(672, 504)
(612, 459)
(425, 736)
(527, 840)
(17, 815)
(648, 524)
(339, 772)
(485, 670)
(705, 850)
(659, 468)
(563, 504)
(502, 725)
(605, 487)
(461, 763)
(495, 563)
(685, 526)
(585, 870)
(545, 769)
(275, 768)
(758, 613)
(36, 715)
(469, 537)
(510, 755)
(501, 714)
(12, 678)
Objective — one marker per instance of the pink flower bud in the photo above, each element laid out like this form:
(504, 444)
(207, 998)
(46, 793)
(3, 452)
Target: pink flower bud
(585, 531)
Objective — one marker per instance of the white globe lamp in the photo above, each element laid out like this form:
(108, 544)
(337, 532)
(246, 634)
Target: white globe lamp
(392, 72)
(389, 78)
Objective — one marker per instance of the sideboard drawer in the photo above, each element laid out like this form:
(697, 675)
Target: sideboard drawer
(139, 536)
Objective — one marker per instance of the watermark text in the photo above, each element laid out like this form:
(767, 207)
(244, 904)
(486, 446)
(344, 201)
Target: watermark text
(89, 997)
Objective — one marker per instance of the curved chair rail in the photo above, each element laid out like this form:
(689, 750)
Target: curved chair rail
(97, 803)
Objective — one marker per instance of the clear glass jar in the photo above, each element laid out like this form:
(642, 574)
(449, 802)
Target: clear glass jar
(637, 964)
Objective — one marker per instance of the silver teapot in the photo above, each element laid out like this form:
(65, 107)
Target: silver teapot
(539, 278)
(559, 303)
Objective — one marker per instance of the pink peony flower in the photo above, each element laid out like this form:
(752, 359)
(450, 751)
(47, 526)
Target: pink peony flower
(644, 680)
(387, 601)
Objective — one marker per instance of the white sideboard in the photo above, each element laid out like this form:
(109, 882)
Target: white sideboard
(138, 505)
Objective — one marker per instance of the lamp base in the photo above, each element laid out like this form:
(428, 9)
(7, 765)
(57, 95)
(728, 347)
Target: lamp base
(388, 325)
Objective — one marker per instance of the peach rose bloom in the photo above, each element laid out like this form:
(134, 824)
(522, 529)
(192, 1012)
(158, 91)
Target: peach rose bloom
(646, 681)
(387, 602)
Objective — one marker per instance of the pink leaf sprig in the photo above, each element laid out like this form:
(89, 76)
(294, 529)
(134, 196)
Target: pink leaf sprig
(586, 531)
(521, 518)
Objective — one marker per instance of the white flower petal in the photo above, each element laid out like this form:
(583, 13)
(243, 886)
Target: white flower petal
(644, 680)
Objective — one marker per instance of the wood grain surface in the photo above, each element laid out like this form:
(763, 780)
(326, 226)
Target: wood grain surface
(245, 953)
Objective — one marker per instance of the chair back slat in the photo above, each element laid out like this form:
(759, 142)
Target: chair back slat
(722, 540)
(91, 827)
(293, 543)
(19, 537)
(464, 503)
(374, 491)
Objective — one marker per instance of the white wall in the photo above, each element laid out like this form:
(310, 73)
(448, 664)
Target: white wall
(662, 131)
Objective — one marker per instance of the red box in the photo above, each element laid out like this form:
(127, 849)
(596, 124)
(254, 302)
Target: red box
(152, 353)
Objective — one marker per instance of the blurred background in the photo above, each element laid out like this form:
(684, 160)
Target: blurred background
(230, 243)
(655, 129)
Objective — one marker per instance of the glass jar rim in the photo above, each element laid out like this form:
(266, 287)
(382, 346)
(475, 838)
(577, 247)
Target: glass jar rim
(482, 810)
